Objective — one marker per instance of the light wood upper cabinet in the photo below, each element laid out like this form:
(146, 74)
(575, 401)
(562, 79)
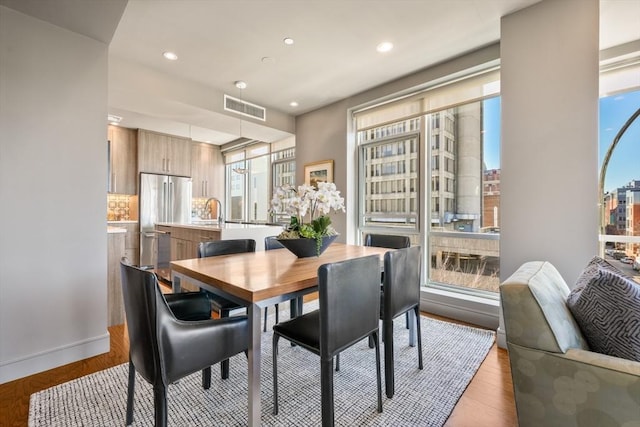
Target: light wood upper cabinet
(164, 154)
(123, 155)
(207, 170)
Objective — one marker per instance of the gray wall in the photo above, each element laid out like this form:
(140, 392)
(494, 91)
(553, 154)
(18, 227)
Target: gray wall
(549, 177)
(323, 133)
(326, 134)
(53, 171)
(549, 73)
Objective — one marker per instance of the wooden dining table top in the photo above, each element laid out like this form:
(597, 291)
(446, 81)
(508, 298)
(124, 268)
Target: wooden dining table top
(255, 276)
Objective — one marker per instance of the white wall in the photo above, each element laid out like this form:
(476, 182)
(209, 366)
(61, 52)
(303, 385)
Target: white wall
(549, 177)
(53, 244)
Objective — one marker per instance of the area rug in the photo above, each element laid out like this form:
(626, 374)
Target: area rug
(452, 354)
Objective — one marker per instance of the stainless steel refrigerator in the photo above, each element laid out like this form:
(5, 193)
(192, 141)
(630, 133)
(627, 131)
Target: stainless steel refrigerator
(163, 198)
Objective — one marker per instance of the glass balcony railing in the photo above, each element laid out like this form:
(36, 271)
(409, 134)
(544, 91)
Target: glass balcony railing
(465, 260)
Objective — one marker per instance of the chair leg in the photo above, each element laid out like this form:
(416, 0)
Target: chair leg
(326, 387)
(389, 378)
(160, 405)
(277, 313)
(130, 391)
(295, 310)
(266, 310)
(300, 303)
(206, 378)
(338, 362)
(274, 350)
(406, 319)
(379, 376)
(224, 365)
(419, 333)
(371, 340)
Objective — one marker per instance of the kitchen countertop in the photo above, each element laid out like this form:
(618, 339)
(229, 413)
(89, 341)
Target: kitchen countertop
(215, 226)
(115, 230)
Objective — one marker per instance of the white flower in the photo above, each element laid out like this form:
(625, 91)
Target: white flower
(307, 200)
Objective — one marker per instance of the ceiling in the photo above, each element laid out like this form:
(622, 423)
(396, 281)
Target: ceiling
(333, 56)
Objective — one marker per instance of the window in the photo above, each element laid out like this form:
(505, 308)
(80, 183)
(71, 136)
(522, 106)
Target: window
(457, 129)
(390, 175)
(248, 189)
(463, 237)
(620, 174)
(250, 172)
(283, 170)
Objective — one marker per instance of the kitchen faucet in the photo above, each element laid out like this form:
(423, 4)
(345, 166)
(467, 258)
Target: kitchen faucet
(219, 209)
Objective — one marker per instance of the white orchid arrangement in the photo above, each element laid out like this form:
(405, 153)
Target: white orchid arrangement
(310, 204)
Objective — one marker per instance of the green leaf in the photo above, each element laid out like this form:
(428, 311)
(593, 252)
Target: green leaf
(294, 225)
(321, 224)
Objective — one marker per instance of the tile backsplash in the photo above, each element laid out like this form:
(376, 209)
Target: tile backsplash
(198, 211)
(122, 207)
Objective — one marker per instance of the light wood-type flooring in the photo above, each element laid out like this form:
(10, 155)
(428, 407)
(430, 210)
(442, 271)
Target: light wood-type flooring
(488, 401)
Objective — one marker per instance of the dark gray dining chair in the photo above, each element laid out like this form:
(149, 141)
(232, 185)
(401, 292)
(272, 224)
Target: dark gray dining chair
(400, 295)
(220, 304)
(163, 348)
(390, 241)
(349, 312)
(295, 305)
(387, 241)
(270, 243)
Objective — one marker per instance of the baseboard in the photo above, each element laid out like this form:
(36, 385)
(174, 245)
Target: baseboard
(501, 338)
(479, 311)
(43, 361)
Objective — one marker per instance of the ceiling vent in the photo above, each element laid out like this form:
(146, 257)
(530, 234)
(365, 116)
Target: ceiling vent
(245, 108)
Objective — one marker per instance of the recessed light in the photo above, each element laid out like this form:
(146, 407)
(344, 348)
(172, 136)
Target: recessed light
(288, 41)
(293, 104)
(384, 47)
(268, 60)
(113, 119)
(170, 56)
(240, 84)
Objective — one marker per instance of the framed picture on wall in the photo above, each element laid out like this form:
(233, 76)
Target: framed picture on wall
(318, 171)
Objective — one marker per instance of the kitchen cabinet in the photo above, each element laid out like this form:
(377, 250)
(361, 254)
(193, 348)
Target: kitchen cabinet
(131, 239)
(123, 155)
(115, 251)
(184, 245)
(163, 154)
(207, 170)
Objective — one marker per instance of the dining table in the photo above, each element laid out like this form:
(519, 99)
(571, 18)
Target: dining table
(257, 280)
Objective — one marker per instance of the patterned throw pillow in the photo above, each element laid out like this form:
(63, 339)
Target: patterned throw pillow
(607, 309)
(591, 270)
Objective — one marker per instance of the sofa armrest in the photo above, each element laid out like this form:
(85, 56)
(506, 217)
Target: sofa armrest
(604, 361)
(578, 388)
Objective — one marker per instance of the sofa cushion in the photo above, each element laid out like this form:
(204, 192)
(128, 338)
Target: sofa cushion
(591, 270)
(607, 309)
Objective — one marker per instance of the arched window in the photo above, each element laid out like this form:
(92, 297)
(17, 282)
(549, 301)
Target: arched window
(620, 176)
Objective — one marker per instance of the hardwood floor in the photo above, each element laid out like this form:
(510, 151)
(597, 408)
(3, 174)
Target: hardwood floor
(488, 400)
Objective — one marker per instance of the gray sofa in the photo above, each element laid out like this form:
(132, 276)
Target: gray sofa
(557, 380)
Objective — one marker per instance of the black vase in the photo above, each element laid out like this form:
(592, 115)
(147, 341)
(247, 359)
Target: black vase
(303, 247)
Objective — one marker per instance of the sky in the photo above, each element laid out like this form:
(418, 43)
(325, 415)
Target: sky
(615, 110)
(624, 165)
(491, 132)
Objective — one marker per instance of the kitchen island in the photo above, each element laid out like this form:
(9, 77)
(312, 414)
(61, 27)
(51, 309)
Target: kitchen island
(181, 240)
(200, 231)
